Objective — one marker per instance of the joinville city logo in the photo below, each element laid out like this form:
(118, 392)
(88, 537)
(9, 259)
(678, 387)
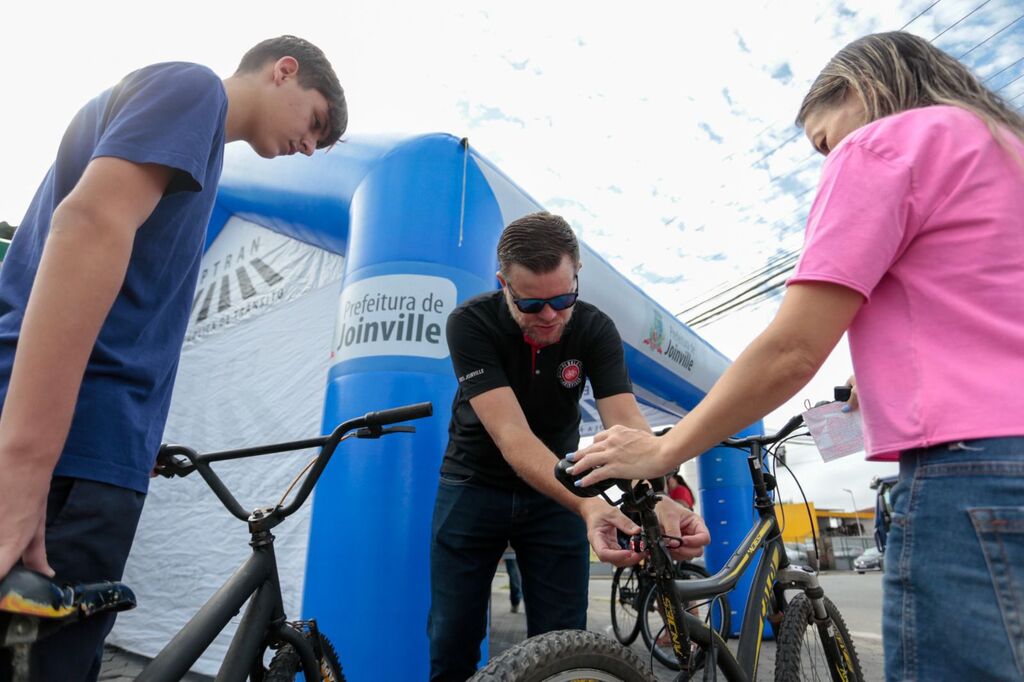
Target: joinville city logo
(678, 352)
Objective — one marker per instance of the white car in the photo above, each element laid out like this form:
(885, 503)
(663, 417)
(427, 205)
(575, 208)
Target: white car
(870, 560)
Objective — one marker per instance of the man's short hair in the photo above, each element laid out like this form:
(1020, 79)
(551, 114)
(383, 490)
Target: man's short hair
(537, 242)
(315, 72)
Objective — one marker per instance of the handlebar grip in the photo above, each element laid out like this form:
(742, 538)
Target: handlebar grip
(399, 414)
(568, 481)
(792, 425)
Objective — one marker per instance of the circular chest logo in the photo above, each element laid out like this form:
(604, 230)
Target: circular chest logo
(570, 373)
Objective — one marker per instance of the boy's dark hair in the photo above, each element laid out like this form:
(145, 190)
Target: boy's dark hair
(538, 242)
(315, 72)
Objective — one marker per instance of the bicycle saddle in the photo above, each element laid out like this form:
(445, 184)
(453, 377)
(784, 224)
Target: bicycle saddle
(27, 593)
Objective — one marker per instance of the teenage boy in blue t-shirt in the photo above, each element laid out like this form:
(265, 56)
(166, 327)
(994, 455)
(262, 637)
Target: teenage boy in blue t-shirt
(94, 299)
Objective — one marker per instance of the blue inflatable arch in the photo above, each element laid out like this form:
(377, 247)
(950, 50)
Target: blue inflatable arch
(415, 222)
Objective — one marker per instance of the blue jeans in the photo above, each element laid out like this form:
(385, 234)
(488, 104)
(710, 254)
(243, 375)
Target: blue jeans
(954, 564)
(515, 581)
(472, 526)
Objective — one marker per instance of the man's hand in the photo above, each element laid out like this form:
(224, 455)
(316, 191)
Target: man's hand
(679, 522)
(602, 520)
(23, 519)
(621, 452)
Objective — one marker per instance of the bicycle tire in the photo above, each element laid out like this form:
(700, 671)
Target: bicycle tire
(797, 660)
(286, 664)
(652, 621)
(689, 571)
(626, 598)
(566, 655)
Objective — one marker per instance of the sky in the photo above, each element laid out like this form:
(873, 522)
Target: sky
(662, 131)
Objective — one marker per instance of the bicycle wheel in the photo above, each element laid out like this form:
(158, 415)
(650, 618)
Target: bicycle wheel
(800, 649)
(563, 656)
(652, 622)
(722, 613)
(626, 603)
(286, 664)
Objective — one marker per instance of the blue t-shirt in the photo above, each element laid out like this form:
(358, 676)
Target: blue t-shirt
(170, 114)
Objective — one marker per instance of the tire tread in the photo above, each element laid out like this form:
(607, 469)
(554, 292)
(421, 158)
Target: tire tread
(791, 634)
(538, 658)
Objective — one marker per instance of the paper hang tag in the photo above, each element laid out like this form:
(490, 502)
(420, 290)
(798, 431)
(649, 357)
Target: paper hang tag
(835, 433)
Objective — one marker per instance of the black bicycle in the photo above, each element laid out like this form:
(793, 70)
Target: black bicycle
(636, 611)
(32, 607)
(812, 639)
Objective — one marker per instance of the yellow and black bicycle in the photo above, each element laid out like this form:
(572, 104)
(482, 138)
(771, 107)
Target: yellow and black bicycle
(813, 642)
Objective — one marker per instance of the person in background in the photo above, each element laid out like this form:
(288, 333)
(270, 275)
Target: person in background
(515, 580)
(95, 294)
(915, 246)
(679, 491)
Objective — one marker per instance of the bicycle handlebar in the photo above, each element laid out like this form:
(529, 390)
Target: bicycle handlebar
(842, 394)
(399, 414)
(368, 426)
(568, 481)
(744, 443)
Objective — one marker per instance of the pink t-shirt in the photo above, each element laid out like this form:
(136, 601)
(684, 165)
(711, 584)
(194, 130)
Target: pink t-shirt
(923, 214)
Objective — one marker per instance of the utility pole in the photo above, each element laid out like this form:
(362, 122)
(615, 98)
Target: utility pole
(854, 500)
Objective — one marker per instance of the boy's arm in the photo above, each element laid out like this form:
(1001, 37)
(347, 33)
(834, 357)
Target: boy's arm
(80, 273)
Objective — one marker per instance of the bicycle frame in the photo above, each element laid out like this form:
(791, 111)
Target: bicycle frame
(773, 575)
(262, 623)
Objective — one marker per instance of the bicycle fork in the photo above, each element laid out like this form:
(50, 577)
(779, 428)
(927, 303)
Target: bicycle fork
(837, 653)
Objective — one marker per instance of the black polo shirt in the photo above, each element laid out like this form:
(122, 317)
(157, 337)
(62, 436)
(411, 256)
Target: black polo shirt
(488, 351)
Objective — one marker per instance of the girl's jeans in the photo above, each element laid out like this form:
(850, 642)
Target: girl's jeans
(954, 564)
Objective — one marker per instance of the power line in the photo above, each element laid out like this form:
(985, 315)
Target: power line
(1010, 66)
(1011, 83)
(754, 298)
(991, 37)
(777, 147)
(919, 15)
(958, 22)
(782, 263)
(758, 291)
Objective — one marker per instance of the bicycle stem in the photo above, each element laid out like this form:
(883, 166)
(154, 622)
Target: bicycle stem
(642, 500)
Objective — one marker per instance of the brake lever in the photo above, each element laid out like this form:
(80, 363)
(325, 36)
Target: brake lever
(378, 431)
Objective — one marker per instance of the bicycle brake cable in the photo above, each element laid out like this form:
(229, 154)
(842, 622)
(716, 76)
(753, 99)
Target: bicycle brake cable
(305, 470)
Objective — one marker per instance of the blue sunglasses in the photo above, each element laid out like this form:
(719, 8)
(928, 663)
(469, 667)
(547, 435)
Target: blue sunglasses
(532, 306)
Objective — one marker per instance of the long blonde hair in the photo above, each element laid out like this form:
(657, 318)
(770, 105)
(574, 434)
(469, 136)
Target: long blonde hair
(897, 71)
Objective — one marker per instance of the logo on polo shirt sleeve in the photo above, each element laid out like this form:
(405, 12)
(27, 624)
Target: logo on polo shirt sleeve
(570, 373)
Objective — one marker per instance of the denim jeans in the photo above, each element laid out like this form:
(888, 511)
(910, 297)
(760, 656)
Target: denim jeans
(515, 581)
(954, 564)
(89, 531)
(472, 525)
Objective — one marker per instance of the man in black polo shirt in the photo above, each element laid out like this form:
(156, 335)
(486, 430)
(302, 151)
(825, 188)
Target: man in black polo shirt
(522, 356)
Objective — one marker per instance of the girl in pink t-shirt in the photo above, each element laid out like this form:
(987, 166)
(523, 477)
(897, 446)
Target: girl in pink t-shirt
(915, 245)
